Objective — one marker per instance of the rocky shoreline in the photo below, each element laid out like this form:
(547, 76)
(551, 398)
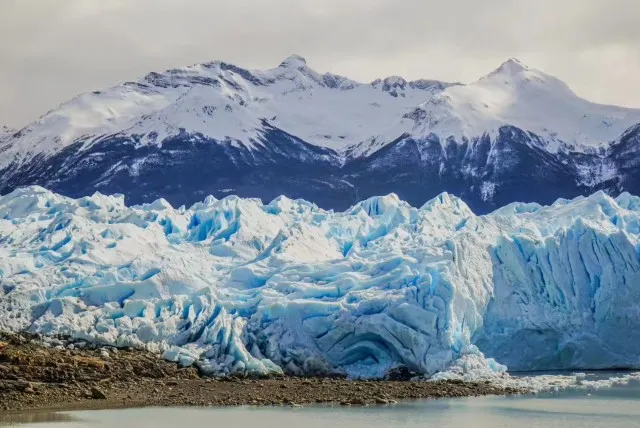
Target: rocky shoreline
(50, 376)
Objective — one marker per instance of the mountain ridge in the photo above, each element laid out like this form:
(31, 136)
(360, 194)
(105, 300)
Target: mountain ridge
(88, 116)
(218, 128)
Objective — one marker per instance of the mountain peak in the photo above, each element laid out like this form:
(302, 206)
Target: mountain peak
(511, 66)
(294, 61)
(516, 74)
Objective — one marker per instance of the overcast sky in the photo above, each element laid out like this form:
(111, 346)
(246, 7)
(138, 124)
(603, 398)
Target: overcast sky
(51, 50)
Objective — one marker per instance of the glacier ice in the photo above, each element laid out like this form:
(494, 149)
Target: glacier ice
(235, 286)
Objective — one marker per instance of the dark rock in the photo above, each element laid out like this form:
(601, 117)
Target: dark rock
(401, 373)
(97, 394)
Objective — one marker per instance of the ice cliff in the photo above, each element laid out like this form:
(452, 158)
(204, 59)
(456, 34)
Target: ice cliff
(233, 285)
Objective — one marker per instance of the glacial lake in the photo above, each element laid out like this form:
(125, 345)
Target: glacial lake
(617, 406)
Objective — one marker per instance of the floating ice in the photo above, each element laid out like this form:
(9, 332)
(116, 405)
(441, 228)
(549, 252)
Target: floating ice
(235, 286)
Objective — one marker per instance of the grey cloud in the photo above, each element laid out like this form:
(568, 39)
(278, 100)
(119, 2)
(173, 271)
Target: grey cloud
(53, 49)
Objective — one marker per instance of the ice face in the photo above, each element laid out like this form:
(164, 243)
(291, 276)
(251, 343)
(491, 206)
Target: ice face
(233, 285)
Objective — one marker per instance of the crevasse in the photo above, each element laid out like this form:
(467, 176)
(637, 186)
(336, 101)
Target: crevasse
(235, 286)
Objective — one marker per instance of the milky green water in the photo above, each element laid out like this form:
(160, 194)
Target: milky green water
(612, 408)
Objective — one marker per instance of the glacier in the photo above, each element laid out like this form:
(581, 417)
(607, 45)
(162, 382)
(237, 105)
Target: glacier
(234, 286)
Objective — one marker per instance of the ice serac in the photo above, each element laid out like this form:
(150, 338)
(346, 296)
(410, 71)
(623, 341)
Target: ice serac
(566, 297)
(235, 286)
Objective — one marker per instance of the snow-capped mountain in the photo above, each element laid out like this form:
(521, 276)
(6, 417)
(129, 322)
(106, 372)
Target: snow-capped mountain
(515, 95)
(215, 128)
(225, 103)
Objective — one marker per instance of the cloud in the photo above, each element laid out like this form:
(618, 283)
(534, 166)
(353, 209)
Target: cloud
(53, 49)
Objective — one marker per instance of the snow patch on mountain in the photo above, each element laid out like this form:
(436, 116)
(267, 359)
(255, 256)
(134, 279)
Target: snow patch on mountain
(488, 190)
(594, 174)
(235, 286)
